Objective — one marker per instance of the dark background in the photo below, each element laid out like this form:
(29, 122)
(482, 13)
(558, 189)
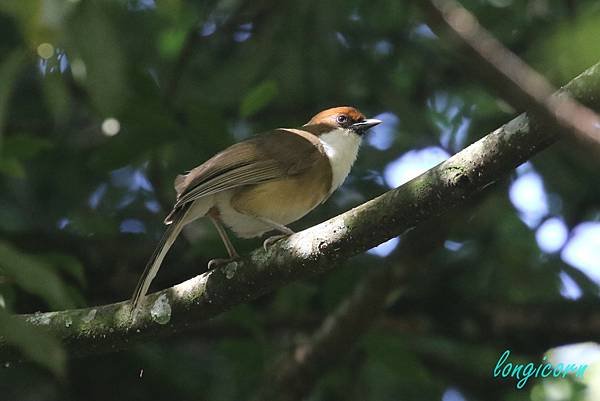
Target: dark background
(103, 103)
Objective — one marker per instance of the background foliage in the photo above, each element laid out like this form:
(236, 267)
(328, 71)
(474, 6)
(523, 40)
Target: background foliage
(102, 103)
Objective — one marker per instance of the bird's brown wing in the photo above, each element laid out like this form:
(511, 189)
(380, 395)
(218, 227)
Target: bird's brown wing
(289, 152)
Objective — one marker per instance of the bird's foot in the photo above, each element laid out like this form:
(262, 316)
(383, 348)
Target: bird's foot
(214, 263)
(271, 240)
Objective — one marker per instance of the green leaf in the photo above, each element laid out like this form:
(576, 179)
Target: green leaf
(9, 69)
(34, 276)
(33, 342)
(258, 98)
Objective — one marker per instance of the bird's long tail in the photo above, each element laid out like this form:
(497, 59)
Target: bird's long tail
(155, 261)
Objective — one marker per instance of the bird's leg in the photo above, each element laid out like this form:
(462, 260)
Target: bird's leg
(226, 241)
(275, 226)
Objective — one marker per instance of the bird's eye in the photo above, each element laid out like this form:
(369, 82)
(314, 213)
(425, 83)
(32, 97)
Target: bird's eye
(342, 119)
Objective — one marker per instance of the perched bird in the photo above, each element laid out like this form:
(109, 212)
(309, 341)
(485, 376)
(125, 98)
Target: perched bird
(263, 183)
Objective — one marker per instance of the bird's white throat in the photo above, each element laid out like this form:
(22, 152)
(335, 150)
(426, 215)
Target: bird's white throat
(341, 147)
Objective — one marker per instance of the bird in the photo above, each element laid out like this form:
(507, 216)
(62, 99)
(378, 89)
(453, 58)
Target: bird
(263, 183)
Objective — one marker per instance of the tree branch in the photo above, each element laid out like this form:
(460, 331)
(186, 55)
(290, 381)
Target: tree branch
(317, 249)
(517, 82)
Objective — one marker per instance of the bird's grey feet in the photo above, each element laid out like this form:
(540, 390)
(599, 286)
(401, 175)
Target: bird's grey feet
(271, 240)
(214, 263)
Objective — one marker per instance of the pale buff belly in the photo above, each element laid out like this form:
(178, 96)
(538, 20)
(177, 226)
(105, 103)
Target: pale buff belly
(281, 201)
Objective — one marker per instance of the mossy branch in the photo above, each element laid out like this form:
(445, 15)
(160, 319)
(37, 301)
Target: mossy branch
(317, 249)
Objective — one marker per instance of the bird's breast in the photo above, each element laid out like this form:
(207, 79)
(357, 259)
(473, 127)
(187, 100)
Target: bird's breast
(282, 201)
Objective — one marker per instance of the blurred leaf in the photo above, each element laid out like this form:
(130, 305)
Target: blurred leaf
(18, 148)
(258, 98)
(9, 68)
(68, 264)
(24, 146)
(12, 167)
(393, 368)
(171, 41)
(572, 47)
(33, 342)
(96, 41)
(35, 276)
(396, 355)
(57, 96)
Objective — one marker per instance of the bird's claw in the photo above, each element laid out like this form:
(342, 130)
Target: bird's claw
(271, 240)
(214, 263)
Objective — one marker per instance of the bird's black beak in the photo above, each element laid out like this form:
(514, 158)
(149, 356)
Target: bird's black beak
(364, 125)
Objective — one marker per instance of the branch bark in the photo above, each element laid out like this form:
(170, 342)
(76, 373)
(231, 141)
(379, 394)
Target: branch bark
(317, 249)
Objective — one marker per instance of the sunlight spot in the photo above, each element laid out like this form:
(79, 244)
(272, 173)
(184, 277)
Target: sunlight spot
(63, 61)
(243, 33)
(62, 223)
(528, 196)
(152, 206)
(383, 250)
(453, 245)
(79, 69)
(97, 195)
(524, 168)
(111, 126)
(578, 353)
(45, 50)
(383, 47)
(132, 178)
(552, 235)
(413, 163)
(568, 287)
(381, 137)
(583, 250)
(208, 28)
(342, 39)
(132, 226)
(452, 394)
(423, 31)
